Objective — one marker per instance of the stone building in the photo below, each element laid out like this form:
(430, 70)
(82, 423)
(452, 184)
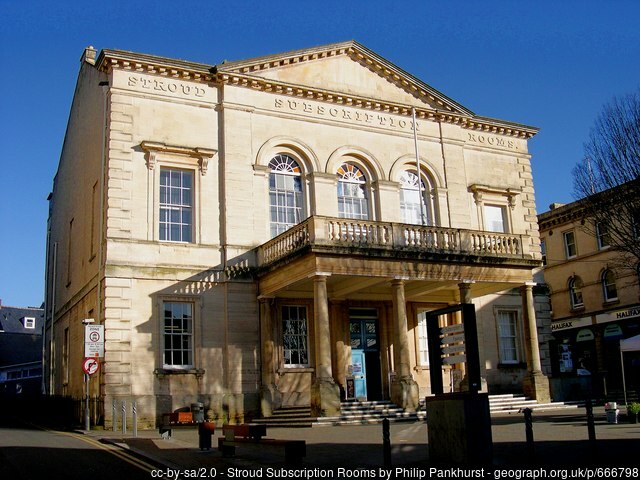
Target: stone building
(595, 304)
(260, 233)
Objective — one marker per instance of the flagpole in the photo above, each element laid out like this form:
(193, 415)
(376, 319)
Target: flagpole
(418, 166)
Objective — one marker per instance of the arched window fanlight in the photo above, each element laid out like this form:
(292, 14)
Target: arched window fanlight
(285, 194)
(353, 199)
(284, 164)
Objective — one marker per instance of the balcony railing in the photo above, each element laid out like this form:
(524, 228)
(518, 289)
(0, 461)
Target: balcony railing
(341, 232)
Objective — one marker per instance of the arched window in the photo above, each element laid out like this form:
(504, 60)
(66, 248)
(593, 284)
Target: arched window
(609, 289)
(410, 198)
(575, 292)
(285, 193)
(353, 201)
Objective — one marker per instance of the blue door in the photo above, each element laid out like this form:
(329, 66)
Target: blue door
(365, 353)
(359, 370)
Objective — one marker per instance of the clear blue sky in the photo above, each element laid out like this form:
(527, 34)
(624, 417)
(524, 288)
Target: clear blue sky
(549, 64)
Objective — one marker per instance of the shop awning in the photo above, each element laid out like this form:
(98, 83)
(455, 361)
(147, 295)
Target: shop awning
(630, 344)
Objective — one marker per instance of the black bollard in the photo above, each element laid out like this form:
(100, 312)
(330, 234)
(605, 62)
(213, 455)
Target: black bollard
(205, 431)
(386, 443)
(528, 429)
(591, 426)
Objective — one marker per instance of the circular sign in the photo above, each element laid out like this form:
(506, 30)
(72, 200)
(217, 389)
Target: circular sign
(94, 336)
(90, 365)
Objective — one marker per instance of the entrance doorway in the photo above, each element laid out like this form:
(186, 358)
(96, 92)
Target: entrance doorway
(365, 353)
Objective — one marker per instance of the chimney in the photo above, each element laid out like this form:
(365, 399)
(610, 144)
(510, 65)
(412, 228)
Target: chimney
(553, 206)
(89, 55)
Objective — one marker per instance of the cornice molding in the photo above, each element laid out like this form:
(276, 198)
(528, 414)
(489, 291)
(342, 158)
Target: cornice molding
(340, 98)
(478, 192)
(552, 219)
(202, 154)
(241, 74)
(166, 67)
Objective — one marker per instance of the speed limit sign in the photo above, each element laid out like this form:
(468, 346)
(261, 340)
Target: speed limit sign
(90, 365)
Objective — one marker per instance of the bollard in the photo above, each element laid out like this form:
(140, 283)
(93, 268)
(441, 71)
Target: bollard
(114, 415)
(528, 428)
(124, 416)
(135, 418)
(205, 431)
(591, 427)
(386, 443)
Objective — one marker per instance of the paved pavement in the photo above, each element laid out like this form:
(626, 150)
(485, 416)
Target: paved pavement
(561, 441)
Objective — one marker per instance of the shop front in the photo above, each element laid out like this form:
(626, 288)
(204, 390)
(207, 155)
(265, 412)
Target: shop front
(586, 355)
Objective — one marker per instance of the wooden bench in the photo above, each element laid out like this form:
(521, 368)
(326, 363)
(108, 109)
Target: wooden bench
(245, 430)
(235, 435)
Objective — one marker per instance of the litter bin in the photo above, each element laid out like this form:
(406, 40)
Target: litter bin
(197, 410)
(205, 431)
(612, 416)
(612, 411)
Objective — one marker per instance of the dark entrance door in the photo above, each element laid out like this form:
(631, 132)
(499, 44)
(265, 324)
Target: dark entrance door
(365, 356)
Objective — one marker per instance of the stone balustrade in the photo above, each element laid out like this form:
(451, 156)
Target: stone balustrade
(343, 232)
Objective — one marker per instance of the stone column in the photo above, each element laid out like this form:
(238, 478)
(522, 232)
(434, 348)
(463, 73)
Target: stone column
(535, 384)
(325, 394)
(404, 389)
(465, 292)
(270, 398)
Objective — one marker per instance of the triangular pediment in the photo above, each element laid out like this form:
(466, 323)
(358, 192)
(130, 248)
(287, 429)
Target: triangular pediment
(347, 68)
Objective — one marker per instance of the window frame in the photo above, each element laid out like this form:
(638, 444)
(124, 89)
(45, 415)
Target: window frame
(191, 348)
(503, 213)
(176, 206)
(299, 207)
(409, 183)
(606, 285)
(575, 289)
(29, 323)
(603, 237)
(422, 353)
(194, 159)
(514, 338)
(347, 177)
(286, 360)
(566, 244)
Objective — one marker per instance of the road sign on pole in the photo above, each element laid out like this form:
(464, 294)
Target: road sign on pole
(94, 340)
(90, 365)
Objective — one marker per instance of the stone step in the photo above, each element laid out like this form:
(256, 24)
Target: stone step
(374, 412)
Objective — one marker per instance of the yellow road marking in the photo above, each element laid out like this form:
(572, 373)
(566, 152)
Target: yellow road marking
(113, 449)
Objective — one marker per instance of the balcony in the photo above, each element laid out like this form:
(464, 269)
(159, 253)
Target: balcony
(359, 237)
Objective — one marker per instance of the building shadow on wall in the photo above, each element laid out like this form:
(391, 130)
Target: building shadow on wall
(223, 374)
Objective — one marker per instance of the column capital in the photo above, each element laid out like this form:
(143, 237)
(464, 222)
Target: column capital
(396, 281)
(265, 298)
(319, 275)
